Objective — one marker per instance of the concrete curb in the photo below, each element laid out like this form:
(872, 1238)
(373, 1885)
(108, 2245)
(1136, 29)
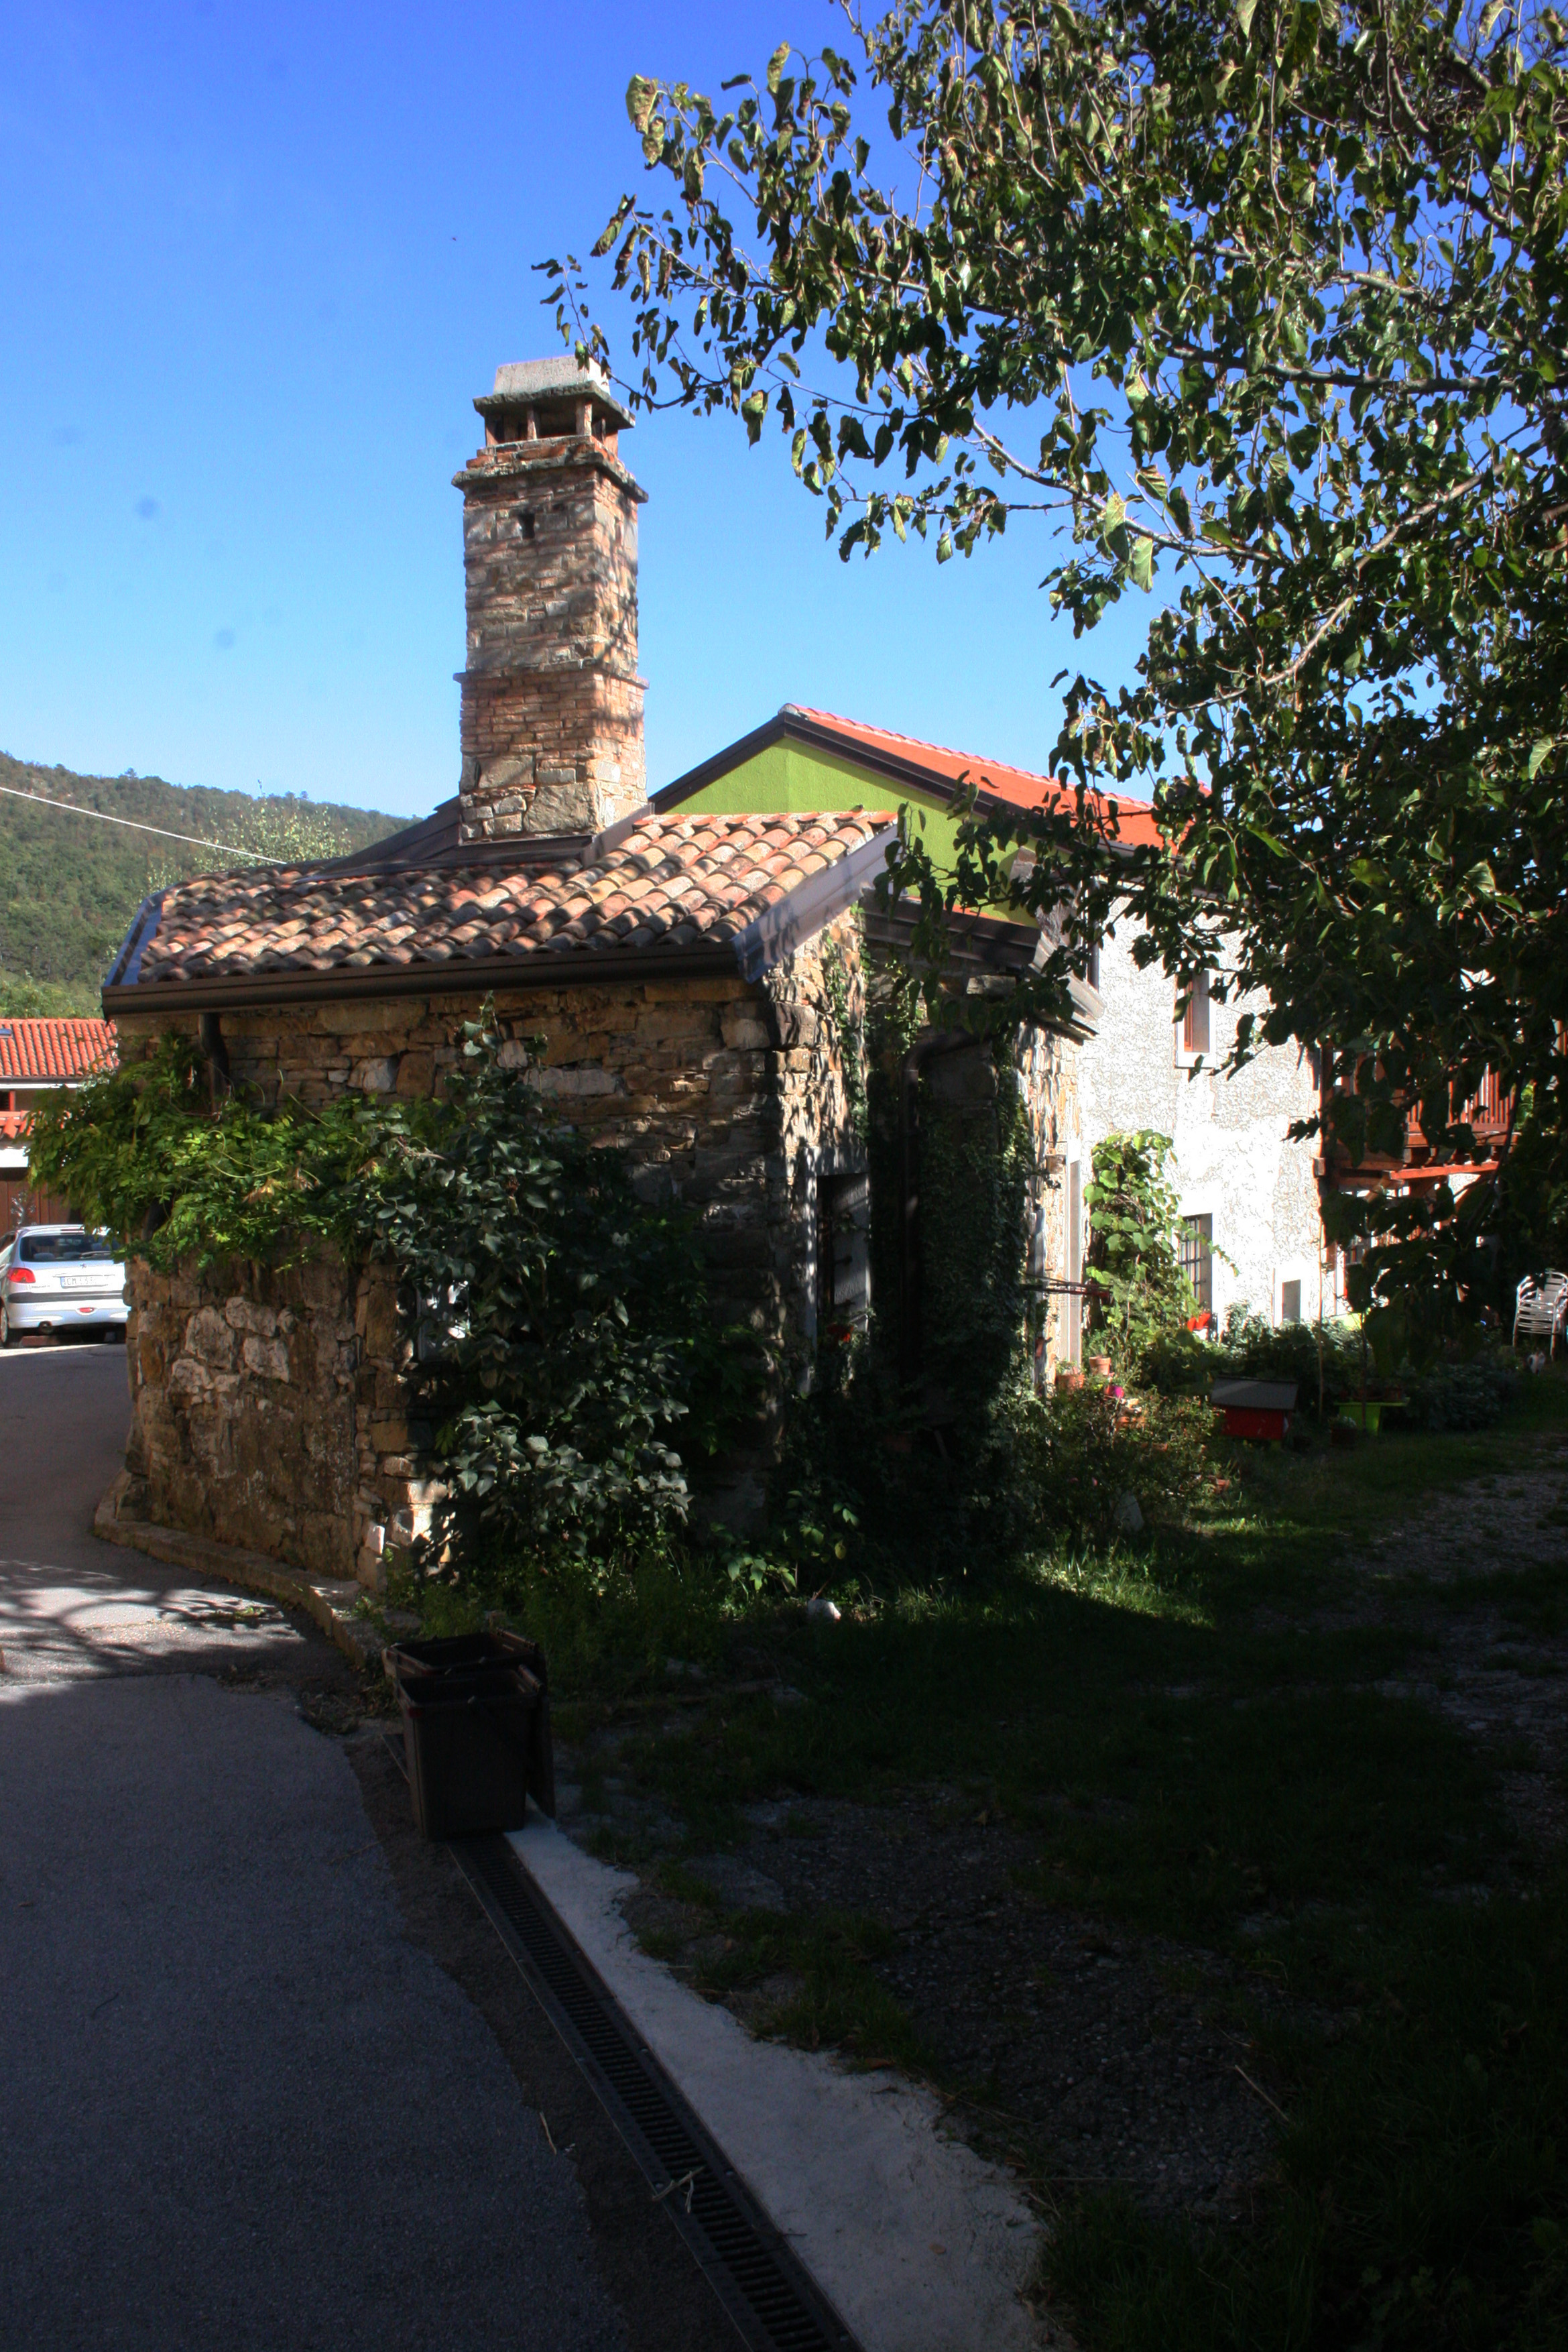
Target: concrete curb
(920, 2243)
(331, 1601)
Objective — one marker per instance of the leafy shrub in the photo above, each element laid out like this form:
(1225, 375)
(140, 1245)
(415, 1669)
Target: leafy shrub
(1254, 1348)
(1080, 1451)
(564, 1330)
(145, 1152)
(1178, 1362)
(1134, 1249)
(862, 1486)
(559, 1334)
(1460, 1396)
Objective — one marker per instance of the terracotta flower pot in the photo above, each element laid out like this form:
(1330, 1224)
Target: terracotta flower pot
(1100, 1366)
(1069, 1377)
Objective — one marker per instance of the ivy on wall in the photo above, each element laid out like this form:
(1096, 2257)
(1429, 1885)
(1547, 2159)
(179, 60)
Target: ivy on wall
(1135, 1254)
(849, 1025)
(949, 1184)
(560, 1336)
(973, 1189)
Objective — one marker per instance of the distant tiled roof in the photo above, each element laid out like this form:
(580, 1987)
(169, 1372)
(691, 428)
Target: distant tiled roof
(659, 884)
(1020, 786)
(54, 1050)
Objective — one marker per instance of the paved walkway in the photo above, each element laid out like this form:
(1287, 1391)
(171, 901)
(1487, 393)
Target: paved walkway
(242, 2108)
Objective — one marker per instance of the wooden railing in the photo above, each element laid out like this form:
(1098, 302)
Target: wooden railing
(1489, 1113)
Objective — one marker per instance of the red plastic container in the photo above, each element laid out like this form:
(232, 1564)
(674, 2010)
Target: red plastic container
(1261, 1410)
(1254, 1421)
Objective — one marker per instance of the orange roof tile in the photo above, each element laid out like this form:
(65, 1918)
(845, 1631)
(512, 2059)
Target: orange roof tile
(1020, 786)
(54, 1051)
(665, 883)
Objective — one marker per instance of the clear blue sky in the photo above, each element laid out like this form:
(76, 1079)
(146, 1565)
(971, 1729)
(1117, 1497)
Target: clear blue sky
(256, 263)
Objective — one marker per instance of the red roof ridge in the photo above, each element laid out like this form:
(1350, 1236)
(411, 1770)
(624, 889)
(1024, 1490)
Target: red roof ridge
(862, 728)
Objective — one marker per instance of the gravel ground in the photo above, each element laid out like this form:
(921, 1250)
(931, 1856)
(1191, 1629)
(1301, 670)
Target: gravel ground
(1098, 2043)
(1500, 1682)
(1085, 2055)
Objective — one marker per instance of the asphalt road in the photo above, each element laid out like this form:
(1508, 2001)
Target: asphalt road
(268, 2079)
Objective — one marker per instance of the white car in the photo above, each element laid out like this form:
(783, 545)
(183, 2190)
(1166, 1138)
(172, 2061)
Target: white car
(60, 1279)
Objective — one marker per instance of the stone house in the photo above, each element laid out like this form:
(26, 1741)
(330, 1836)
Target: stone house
(1248, 1194)
(665, 976)
(683, 979)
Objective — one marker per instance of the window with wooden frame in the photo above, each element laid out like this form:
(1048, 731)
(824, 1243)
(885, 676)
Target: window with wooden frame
(1195, 1025)
(1198, 1259)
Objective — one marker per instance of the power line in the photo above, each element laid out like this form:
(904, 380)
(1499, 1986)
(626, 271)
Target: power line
(11, 793)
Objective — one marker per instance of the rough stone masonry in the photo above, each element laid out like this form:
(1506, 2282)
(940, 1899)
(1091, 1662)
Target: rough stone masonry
(273, 1409)
(552, 704)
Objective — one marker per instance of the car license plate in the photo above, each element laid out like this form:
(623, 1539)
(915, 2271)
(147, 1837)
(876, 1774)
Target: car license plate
(82, 1282)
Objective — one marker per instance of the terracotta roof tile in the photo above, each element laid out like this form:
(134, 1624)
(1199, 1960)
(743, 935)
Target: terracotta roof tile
(54, 1049)
(1022, 789)
(671, 882)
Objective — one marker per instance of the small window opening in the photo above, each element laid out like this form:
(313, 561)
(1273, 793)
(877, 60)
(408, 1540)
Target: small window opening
(1198, 1259)
(1290, 1302)
(843, 1254)
(526, 521)
(1194, 1019)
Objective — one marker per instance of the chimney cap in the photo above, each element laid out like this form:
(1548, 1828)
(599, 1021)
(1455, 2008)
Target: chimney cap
(526, 383)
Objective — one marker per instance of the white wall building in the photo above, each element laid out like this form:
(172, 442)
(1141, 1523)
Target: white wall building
(1245, 1190)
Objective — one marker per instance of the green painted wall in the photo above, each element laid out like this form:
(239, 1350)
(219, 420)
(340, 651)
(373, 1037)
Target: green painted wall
(792, 776)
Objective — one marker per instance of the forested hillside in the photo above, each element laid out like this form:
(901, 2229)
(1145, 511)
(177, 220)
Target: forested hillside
(69, 884)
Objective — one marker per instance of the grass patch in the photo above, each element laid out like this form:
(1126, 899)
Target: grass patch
(1206, 1738)
(1422, 2198)
(827, 1995)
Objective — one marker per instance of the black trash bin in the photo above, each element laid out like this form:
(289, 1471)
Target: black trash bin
(475, 1720)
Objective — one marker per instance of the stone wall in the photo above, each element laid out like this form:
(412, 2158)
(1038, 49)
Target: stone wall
(272, 1410)
(243, 1395)
(552, 704)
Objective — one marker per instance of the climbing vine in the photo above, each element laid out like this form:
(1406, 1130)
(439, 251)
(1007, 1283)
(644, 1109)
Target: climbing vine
(559, 1339)
(848, 1025)
(1134, 1251)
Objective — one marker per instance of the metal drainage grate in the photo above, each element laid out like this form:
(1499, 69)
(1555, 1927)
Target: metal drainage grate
(774, 2303)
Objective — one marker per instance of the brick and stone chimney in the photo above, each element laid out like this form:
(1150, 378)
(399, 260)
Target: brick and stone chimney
(552, 704)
